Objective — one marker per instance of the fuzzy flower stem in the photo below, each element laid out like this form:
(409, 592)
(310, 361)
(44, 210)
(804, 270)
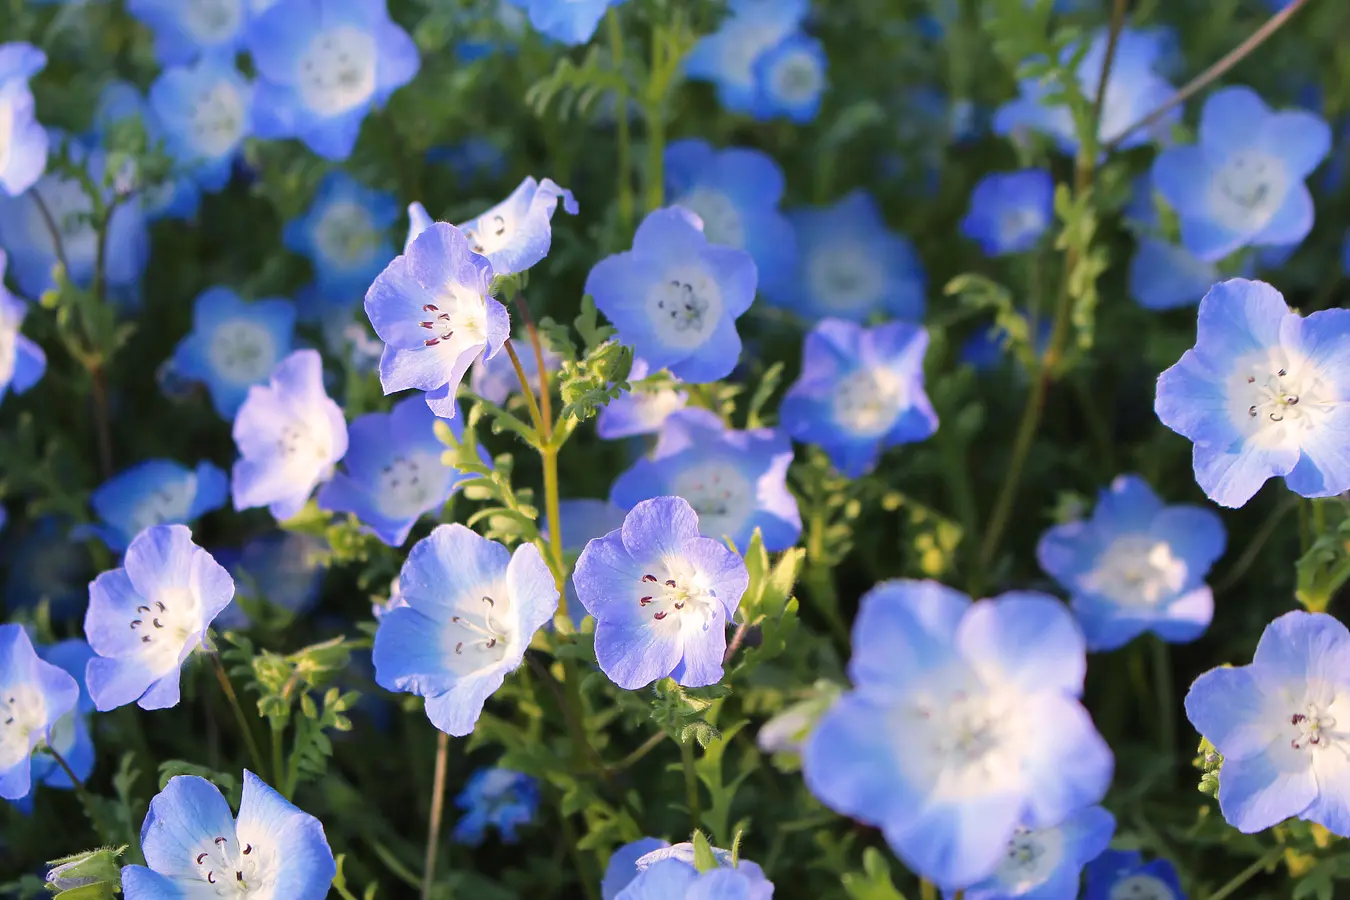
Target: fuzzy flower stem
(240, 719)
(691, 783)
(927, 890)
(1247, 874)
(437, 811)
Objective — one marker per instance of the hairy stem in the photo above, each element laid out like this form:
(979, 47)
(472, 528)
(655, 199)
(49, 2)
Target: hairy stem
(240, 719)
(691, 793)
(85, 799)
(437, 811)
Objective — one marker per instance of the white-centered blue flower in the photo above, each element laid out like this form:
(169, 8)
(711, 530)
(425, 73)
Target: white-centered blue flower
(34, 695)
(643, 409)
(205, 111)
(178, 195)
(1010, 211)
(22, 362)
(790, 79)
(23, 140)
(234, 345)
(187, 29)
(156, 492)
(568, 21)
(1047, 863)
(728, 56)
(345, 234)
(516, 233)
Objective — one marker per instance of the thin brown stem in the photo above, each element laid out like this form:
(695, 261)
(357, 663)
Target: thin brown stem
(525, 388)
(545, 400)
(58, 246)
(437, 812)
(737, 638)
(70, 773)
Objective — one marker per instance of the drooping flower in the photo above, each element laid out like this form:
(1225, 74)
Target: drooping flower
(790, 79)
(1010, 211)
(156, 492)
(290, 435)
(22, 362)
(516, 233)
(187, 29)
(470, 610)
(23, 152)
(662, 595)
(622, 868)
(670, 873)
(393, 471)
(495, 798)
(35, 695)
(850, 266)
(1264, 392)
(322, 66)
(963, 726)
(736, 481)
(70, 735)
(147, 617)
(206, 112)
(1242, 183)
(1136, 566)
(675, 297)
(1275, 723)
(728, 56)
(1047, 863)
(194, 847)
(280, 570)
(234, 345)
(495, 379)
(1123, 875)
(345, 234)
(641, 410)
(860, 391)
(432, 308)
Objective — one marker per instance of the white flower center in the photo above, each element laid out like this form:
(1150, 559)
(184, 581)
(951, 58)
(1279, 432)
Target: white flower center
(796, 78)
(9, 336)
(299, 442)
(1247, 190)
(233, 868)
(1030, 858)
(844, 277)
(210, 21)
(1313, 728)
(1274, 396)
(23, 710)
(170, 503)
(1137, 570)
(867, 401)
(1016, 223)
(460, 314)
(491, 234)
(408, 485)
(685, 307)
(1141, 887)
(164, 625)
(337, 70)
(972, 740)
(480, 634)
(719, 493)
(721, 220)
(679, 594)
(346, 234)
(242, 352)
(216, 122)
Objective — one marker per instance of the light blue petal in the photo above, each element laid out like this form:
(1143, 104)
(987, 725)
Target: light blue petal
(664, 880)
(659, 527)
(1066, 763)
(849, 763)
(635, 652)
(184, 820)
(622, 868)
(1227, 707)
(456, 711)
(956, 843)
(1024, 640)
(904, 630)
(1291, 223)
(1262, 790)
(1300, 138)
(448, 566)
(267, 818)
(1231, 117)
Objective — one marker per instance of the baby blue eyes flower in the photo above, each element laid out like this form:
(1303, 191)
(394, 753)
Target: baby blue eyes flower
(322, 66)
(22, 362)
(1168, 276)
(1123, 875)
(146, 618)
(1264, 392)
(178, 196)
(234, 345)
(1046, 863)
(345, 234)
(194, 847)
(661, 595)
(290, 435)
(432, 308)
(495, 379)
(281, 570)
(33, 696)
(156, 492)
(570, 21)
(469, 610)
(1010, 211)
(394, 474)
(850, 266)
(736, 481)
(516, 233)
(1136, 566)
(790, 79)
(187, 29)
(641, 410)
(23, 141)
(860, 392)
(675, 297)
(495, 798)
(622, 868)
(670, 873)
(727, 58)
(963, 726)
(70, 735)
(1276, 724)
(205, 111)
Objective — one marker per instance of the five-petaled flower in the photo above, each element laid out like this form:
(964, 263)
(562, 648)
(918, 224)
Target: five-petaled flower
(33, 696)
(155, 492)
(516, 233)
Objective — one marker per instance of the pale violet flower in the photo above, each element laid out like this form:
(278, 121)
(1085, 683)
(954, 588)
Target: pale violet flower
(516, 233)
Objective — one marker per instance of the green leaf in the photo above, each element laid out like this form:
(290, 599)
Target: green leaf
(704, 858)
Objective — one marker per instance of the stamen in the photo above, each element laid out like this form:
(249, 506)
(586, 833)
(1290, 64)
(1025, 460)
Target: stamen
(643, 601)
(650, 578)
(200, 857)
(210, 877)
(661, 615)
(248, 848)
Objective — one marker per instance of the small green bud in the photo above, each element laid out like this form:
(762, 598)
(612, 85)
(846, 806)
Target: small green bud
(91, 875)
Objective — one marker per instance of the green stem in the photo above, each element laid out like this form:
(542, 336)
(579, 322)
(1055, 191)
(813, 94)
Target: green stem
(279, 757)
(535, 419)
(588, 884)
(621, 112)
(927, 890)
(395, 866)
(1163, 691)
(1253, 548)
(1247, 874)
(437, 810)
(647, 746)
(85, 800)
(240, 719)
(691, 783)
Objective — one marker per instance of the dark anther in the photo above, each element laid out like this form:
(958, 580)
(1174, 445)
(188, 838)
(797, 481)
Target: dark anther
(1251, 410)
(162, 607)
(651, 578)
(219, 841)
(670, 582)
(1282, 373)
(238, 876)
(643, 601)
(455, 619)
(679, 604)
(427, 325)
(489, 601)
(1251, 379)
(210, 877)
(248, 848)
(155, 622)
(146, 639)
(1294, 744)
(200, 857)
(134, 623)
(431, 307)
(661, 615)
(459, 648)
(1291, 400)
(1276, 417)
(492, 643)
(142, 609)
(1296, 718)
(432, 342)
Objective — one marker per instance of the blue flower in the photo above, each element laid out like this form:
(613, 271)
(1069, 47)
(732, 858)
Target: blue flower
(727, 57)
(661, 595)
(582, 520)
(280, 570)
(736, 192)
(850, 266)
(193, 844)
(473, 159)
(1275, 722)
(642, 410)
(156, 492)
(70, 734)
(987, 349)
(1118, 874)
(22, 362)
(187, 29)
(36, 694)
(622, 868)
(175, 197)
(790, 79)
(669, 873)
(290, 435)
(419, 220)
(736, 481)
(344, 234)
(470, 608)
(1136, 566)
(1010, 211)
(1046, 863)
(675, 297)
(963, 726)
(23, 155)
(205, 111)
(432, 308)
(1242, 184)
(571, 22)
(516, 233)
(234, 345)
(1168, 276)
(322, 66)
(146, 618)
(1264, 392)
(394, 474)
(495, 379)
(495, 798)
(860, 391)
(47, 565)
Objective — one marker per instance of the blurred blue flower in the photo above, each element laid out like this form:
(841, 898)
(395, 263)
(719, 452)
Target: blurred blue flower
(495, 798)
(290, 435)
(1261, 395)
(728, 56)
(736, 192)
(1010, 211)
(1168, 276)
(469, 610)
(177, 196)
(516, 233)
(1047, 863)
(790, 79)
(345, 234)
(146, 618)
(582, 520)
(963, 726)
(1275, 723)
(394, 474)
(155, 492)
(860, 392)
(1136, 565)
(322, 65)
(662, 595)
(187, 29)
(495, 379)
(987, 348)
(37, 694)
(641, 410)
(736, 481)
(1242, 183)
(234, 345)
(1123, 875)
(850, 266)
(622, 868)
(675, 297)
(70, 735)
(571, 22)
(194, 846)
(22, 361)
(283, 569)
(205, 111)
(670, 873)
(47, 565)
(23, 155)
(472, 158)
(432, 308)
